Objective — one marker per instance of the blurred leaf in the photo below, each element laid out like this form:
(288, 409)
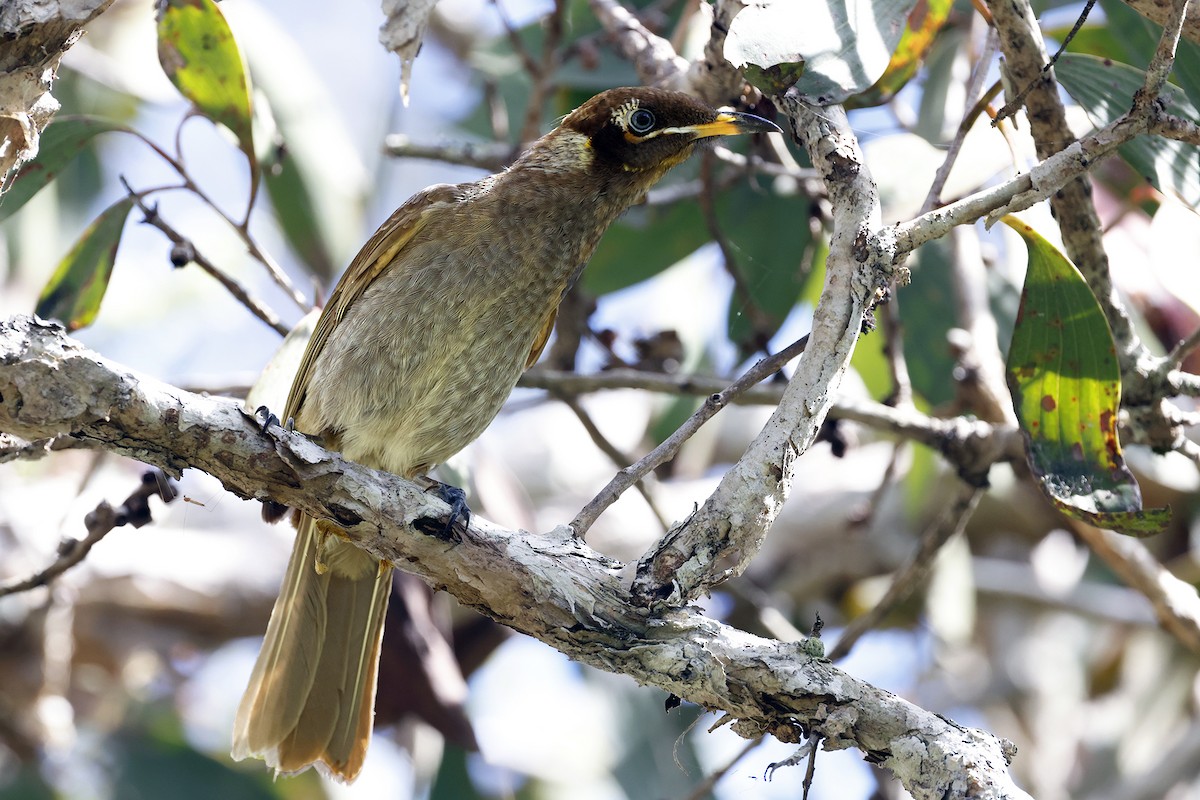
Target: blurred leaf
(924, 22)
(677, 412)
(770, 241)
(314, 176)
(643, 243)
(940, 109)
(158, 767)
(658, 751)
(1137, 39)
(1105, 90)
(74, 292)
(198, 53)
(453, 781)
(845, 46)
(926, 312)
(23, 781)
(61, 141)
(1066, 386)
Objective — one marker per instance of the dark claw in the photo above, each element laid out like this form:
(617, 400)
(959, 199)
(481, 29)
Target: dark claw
(264, 415)
(456, 498)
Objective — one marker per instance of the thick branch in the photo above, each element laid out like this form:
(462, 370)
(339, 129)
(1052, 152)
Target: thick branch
(1071, 203)
(549, 586)
(35, 36)
(719, 540)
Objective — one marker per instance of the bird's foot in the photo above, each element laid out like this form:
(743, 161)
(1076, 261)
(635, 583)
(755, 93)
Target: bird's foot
(452, 496)
(456, 498)
(272, 511)
(268, 419)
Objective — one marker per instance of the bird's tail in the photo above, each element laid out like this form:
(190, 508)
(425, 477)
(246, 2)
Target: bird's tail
(311, 696)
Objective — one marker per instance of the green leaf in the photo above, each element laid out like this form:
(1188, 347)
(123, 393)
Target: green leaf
(198, 53)
(1105, 89)
(924, 23)
(1137, 39)
(146, 765)
(643, 243)
(925, 344)
(74, 292)
(845, 45)
(770, 240)
(1066, 386)
(60, 142)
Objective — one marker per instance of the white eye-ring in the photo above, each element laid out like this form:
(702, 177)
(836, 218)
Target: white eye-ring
(641, 121)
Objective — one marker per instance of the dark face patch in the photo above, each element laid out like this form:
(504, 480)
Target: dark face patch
(632, 126)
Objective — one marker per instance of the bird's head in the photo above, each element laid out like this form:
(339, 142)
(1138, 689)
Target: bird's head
(645, 130)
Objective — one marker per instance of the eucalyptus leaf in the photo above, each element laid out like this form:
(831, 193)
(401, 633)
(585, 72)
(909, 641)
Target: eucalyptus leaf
(75, 290)
(924, 23)
(1105, 89)
(643, 243)
(769, 240)
(1066, 386)
(60, 142)
(844, 45)
(198, 53)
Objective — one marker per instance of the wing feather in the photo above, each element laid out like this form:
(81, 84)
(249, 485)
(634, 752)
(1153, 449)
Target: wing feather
(375, 256)
(539, 343)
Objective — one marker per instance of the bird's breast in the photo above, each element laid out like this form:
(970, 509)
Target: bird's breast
(425, 358)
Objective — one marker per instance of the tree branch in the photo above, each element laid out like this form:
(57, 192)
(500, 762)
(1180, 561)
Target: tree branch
(718, 541)
(549, 586)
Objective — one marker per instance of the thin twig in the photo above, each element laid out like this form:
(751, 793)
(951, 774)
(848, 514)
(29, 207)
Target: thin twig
(1175, 602)
(1164, 57)
(934, 198)
(863, 517)
(1177, 128)
(655, 59)
(152, 217)
(951, 521)
(629, 378)
(241, 228)
(490, 156)
(528, 62)
(1013, 106)
(760, 325)
(543, 72)
(667, 450)
(134, 511)
(705, 787)
(893, 351)
(972, 445)
(609, 449)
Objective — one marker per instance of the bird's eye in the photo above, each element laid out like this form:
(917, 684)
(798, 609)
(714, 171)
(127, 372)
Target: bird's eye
(641, 121)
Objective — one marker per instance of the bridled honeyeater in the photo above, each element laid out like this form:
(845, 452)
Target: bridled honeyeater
(417, 349)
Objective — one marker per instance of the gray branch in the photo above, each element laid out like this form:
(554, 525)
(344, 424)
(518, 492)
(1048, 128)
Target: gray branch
(549, 586)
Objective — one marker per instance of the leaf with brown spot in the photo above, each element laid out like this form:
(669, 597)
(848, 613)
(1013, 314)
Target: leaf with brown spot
(1066, 386)
(198, 53)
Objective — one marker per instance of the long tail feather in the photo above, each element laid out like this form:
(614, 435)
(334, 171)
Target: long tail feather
(311, 696)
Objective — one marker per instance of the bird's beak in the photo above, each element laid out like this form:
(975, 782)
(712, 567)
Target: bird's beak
(729, 123)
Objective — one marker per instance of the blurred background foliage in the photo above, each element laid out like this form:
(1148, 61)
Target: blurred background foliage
(120, 680)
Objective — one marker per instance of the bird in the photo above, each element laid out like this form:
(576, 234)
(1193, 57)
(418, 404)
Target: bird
(418, 347)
